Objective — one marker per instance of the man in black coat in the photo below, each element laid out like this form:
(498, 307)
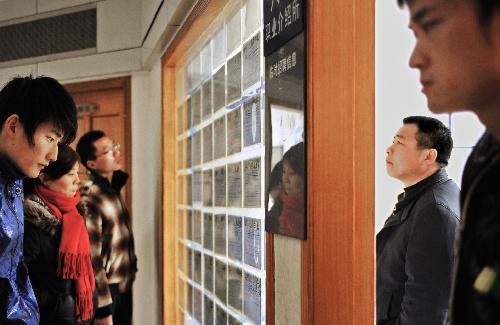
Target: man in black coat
(457, 53)
(415, 246)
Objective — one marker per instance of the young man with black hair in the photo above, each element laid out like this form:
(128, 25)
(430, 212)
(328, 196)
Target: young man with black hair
(457, 52)
(415, 246)
(36, 114)
(109, 226)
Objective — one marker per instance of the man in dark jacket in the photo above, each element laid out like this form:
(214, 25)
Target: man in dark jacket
(415, 247)
(458, 55)
(109, 226)
(35, 115)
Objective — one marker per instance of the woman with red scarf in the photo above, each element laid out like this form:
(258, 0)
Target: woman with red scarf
(56, 244)
(287, 215)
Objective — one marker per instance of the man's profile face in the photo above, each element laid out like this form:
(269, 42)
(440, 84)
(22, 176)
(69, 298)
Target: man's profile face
(107, 159)
(31, 159)
(455, 59)
(404, 158)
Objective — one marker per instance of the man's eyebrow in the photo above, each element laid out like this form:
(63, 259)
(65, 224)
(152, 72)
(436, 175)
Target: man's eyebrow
(57, 133)
(420, 15)
(399, 136)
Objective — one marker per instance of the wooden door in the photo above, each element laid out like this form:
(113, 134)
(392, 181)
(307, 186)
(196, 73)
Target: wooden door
(105, 105)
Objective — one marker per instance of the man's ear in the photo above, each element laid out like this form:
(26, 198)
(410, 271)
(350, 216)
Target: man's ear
(431, 155)
(91, 164)
(11, 125)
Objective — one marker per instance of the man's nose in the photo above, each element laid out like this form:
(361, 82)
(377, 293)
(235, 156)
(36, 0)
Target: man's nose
(52, 155)
(418, 59)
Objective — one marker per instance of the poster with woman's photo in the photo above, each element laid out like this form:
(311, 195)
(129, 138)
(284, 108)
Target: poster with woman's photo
(285, 104)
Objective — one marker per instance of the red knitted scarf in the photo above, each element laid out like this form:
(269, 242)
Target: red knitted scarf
(74, 248)
(292, 214)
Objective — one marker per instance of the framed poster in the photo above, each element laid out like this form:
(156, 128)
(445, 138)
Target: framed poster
(220, 315)
(233, 32)
(234, 131)
(197, 186)
(252, 183)
(190, 263)
(207, 143)
(220, 138)
(234, 237)
(197, 148)
(220, 186)
(220, 234)
(252, 121)
(286, 102)
(219, 84)
(208, 237)
(234, 78)
(209, 311)
(197, 311)
(220, 280)
(197, 226)
(197, 267)
(234, 185)
(181, 119)
(208, 278)
(196, 107)
(188, 182)
(183, 258)
(188, 153)
(252, 297)
(219, 47)
(189, 224)
(252, 251)
(206, 95)
(234, 287)
(207, 187)
(251, 61)
(190, 299)
(233, 321)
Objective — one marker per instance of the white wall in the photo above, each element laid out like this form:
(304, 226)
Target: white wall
(146, 186)
(398, 94)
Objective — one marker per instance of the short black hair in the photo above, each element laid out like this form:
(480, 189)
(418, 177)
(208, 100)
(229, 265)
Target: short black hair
(433, 134)
(37, 101)
(484, 9)
(295, 157)
(66, 159)
(85, 146)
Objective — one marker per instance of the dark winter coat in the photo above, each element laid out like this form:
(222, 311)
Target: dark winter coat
(478, 243)
(56, 296)
(415, 254)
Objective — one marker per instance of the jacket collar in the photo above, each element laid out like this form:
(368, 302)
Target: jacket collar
(118, 180)
(410, 195)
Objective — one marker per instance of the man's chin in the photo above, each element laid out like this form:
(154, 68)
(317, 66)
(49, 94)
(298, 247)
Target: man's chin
(441, 108)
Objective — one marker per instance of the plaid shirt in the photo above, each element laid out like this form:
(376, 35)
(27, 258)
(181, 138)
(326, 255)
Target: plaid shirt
(111, 239)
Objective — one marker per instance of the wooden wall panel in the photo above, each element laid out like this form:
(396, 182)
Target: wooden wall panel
(339, 255)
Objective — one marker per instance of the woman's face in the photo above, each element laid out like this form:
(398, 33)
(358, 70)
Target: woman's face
(67, 184)
(293, 183)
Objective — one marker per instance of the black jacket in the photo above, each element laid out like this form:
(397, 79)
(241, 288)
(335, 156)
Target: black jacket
(478, 243)
(42, 234)
(415, 254)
